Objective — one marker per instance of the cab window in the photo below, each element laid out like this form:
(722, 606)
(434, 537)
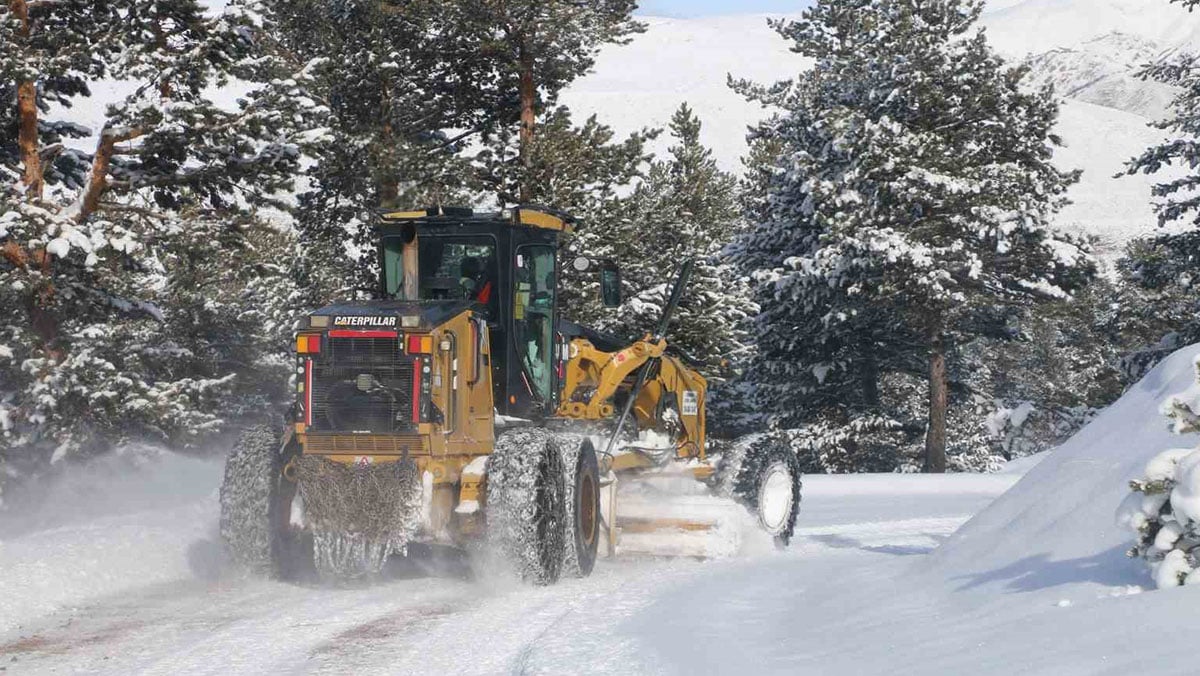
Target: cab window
(451, 268)
(533, 316)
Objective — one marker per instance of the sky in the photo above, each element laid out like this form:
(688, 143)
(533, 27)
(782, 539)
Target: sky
(691, 8)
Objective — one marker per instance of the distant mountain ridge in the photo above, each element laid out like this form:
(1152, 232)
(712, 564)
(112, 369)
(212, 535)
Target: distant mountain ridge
(1104, 71)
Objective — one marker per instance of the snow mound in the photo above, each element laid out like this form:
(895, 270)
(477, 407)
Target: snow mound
(1056, 525)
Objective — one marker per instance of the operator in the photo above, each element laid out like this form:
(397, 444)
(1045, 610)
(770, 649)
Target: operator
(476, 286)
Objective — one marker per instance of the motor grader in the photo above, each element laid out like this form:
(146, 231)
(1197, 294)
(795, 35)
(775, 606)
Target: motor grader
(460, 408)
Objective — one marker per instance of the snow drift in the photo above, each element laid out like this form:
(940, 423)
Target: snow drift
(1056, 525)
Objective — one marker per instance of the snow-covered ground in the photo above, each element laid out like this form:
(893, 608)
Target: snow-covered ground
(881, 579)
(115, 595)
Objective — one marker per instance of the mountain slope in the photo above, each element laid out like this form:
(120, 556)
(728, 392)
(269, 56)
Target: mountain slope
(680, 60)
(1036, 26)
(1104, 71)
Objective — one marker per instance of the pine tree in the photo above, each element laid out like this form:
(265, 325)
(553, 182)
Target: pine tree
(1159, 307)
(1165, 269)
(579, 169)
(686, 207)
(95, 353)
(49, 52)
(538, 47)
(913, 207)
(1161, 509)
(582, 170)
(409, 84)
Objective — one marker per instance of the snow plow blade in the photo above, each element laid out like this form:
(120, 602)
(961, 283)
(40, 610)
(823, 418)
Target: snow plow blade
(678, 520)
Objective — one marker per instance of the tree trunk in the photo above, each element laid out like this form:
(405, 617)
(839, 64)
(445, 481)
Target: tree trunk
(528, 119)
(388, 183)
(389, 192)
(935, 438)
(27, 116)
(160, 43)
(97, 183)
(869, 375)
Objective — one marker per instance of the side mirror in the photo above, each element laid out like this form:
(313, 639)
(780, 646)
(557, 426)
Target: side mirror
(610, 285)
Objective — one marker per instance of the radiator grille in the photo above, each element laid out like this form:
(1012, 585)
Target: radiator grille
(362, 385)
(364, 444)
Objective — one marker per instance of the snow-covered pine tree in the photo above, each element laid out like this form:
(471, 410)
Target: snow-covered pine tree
(1164, 507)
(94, 354)
(49, 53)
(1158, 309)
(1165, 269)
(538, 47)
(580, 169)
(685, 207)
(915, 194)
(1061, 368)
(408, 84)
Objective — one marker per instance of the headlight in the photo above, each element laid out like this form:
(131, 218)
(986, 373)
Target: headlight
(318, 321)
(410, 321)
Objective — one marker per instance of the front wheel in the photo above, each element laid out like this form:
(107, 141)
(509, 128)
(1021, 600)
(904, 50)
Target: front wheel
(768, 483)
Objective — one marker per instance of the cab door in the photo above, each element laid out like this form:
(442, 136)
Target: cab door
(533, 379)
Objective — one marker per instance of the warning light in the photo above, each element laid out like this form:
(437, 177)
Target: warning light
(419, 344)
(308, 343)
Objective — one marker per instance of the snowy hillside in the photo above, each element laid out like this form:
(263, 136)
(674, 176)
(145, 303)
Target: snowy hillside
(1090, 49)
(687, 60)
(1103, 71)
(1036, 26)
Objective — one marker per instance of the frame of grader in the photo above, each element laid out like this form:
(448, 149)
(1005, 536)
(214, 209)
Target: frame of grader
(460, 409)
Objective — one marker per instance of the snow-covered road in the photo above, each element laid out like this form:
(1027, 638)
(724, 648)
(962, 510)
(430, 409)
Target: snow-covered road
(629, 617)
(114, 576)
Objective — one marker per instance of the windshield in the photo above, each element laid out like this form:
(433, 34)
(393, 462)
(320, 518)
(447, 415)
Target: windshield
(451, 268)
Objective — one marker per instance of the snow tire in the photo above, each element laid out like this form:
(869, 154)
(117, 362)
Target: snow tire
(758, 469)
(583, 503)
(251, 501)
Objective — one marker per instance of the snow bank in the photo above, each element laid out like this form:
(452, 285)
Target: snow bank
(124, 522)
(1056, 525)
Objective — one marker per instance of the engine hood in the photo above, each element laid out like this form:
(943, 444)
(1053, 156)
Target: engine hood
(388, 314)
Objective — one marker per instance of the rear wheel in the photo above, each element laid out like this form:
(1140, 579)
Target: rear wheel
(526, 506)
(766, 479)
(583, 504)
(253, 496)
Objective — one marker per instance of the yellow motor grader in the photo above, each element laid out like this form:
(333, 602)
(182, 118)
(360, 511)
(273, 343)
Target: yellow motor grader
(460, 408)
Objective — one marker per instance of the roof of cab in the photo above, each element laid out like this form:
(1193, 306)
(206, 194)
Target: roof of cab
(527, 215)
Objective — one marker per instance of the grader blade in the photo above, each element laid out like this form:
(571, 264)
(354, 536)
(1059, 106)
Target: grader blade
(675, 517)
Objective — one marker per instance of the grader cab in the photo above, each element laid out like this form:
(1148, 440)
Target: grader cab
(460, 407)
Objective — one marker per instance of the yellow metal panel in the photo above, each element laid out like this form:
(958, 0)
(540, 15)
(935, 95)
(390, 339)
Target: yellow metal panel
(541, 220)
(631, 524)
(403, 215)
